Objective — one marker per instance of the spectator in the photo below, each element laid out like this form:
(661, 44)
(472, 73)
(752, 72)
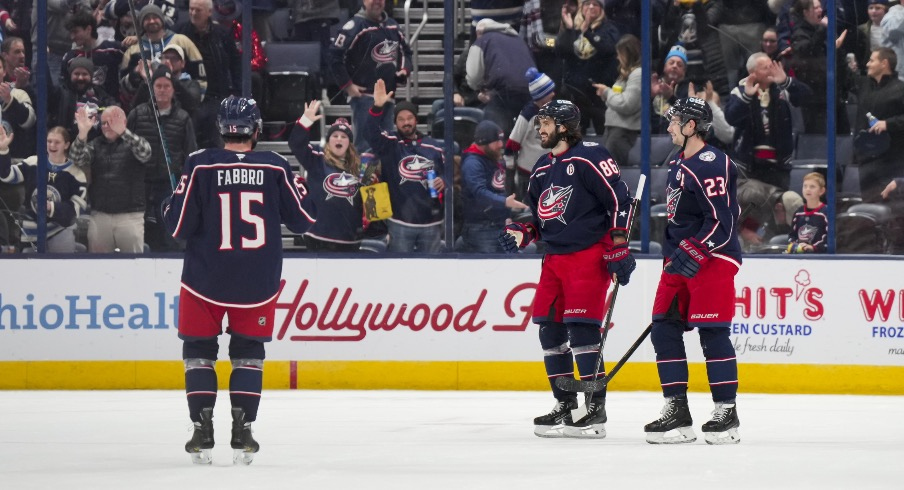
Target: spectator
(766, 211)
(808, 44)
(502, 11)
(722, 134)
(78, 91)
(810, 227)
(892, 26)
(17, 22)
(369, 47)
(58, 42)
(66, 188)
(741, 24)
(335, 176)
(485, 206)
(690, 25)
(106, 56)
(222, 62)
(117, 162)
(188, 91)
(668, 87)
(155, 38)
(623, 100)
(18, 112)
(13, 51)
(760, 111)
(587, 45)
(881, 95)
(523, 148)
(166, 162)
(869, 34)
(496, 65)
(406, 159)
(116, 9)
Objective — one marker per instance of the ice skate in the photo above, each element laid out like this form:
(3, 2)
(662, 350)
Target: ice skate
(723, 428)
(201, 441)
(676, 418)
(551, 424)
(592, 425)
(243, 444)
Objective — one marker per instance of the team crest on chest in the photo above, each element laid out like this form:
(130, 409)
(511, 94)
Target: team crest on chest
(499, 180)
(414, 168)
(385, 53)
(671, 207)
(341, 185)
(552, 203)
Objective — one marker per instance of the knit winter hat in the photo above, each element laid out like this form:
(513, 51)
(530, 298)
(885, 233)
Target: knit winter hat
(487, 132)
(150, 9)
(81, 62)
(343, 125)
(162, 71)
(405, 106)
(884, 3)
(678, 51)
(539, 84)
(175, 47)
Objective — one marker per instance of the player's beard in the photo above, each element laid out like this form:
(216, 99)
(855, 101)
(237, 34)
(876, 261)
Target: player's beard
(552, 140)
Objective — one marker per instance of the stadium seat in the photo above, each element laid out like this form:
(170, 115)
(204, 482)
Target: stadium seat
(849, 191)
(281, 25)
(658, 181)
(661, 148)
(292, 79)
(465, 121)
(863, 229)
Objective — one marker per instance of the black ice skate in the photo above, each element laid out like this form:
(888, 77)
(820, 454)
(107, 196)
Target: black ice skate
(201, 441)
(551, 424)
(723, 428)
(592, 425)
(676, 416)
(243, 445)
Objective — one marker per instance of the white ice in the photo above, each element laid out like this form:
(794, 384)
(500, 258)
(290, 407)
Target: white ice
(442, 440)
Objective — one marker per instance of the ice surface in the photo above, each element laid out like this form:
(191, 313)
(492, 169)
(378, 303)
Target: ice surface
(442, 440)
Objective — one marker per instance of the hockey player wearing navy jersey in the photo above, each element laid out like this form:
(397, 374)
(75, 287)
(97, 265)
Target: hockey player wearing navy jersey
(581, 211)
(406, 158)
(333, 175)
(370, 47)
(696, 288)
(228, 207)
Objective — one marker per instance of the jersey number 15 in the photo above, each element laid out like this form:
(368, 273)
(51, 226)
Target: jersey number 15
(246, 198)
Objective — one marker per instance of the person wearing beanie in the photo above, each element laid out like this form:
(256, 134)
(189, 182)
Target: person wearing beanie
(485, 206)
(155, 38)
(179, 133)
(668, 87)
(79, 89)
(413, 167)
(106, 55)
(522, 150)
(335, 175)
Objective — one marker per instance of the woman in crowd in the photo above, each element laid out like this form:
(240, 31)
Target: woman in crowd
(623, 100)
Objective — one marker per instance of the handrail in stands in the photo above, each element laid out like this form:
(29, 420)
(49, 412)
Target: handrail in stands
(412, 42)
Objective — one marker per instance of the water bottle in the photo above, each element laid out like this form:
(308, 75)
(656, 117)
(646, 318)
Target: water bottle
(871, 118)
(431, 176)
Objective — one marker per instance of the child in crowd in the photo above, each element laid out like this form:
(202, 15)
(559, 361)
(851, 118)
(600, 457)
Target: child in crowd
(810, 226)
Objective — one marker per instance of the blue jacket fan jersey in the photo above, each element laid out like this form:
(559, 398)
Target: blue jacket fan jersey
(702, 203)
(228, 207)
(577, 197)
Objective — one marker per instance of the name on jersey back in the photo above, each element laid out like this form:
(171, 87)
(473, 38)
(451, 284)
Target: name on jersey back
(235, 176)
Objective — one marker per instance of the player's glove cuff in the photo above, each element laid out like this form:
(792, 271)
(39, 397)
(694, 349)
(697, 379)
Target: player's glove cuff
(516, 236)
(620, 262)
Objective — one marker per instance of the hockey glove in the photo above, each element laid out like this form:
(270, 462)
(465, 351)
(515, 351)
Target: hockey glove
(620, 262)
(516, 236)
(688, 258)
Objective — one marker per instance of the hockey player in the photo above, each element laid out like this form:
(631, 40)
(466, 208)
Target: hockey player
(696, 288)
(228, 207)
(581, 210)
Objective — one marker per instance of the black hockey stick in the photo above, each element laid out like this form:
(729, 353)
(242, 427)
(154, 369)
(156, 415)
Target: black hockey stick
(560, 382)
(589, 387)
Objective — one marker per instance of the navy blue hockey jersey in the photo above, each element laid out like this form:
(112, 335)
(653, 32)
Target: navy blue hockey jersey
(366, 51)
(811, 226)
(702, 203)
(577, 197)
(228, 207)
(339, 205)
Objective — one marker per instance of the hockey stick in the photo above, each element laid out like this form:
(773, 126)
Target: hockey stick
(588, 387)
(560, 382)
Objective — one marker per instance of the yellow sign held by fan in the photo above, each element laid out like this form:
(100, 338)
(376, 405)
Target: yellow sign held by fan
(376, 202)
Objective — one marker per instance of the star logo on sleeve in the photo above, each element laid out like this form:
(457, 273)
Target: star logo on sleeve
(622, 214)
(710, 244)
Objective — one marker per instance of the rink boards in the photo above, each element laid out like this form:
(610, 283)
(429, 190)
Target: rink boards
(800, 326)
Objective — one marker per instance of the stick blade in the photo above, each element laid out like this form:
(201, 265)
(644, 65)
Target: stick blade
(578, 386)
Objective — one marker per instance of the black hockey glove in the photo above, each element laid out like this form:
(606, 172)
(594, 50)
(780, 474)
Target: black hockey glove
(516, 236)
(688, 258)
(620, 262)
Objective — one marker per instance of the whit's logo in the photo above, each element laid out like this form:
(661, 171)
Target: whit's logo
(552, 204)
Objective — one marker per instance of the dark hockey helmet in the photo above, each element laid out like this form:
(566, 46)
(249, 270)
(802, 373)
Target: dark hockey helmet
(563, 112)
(692, 109)
(238, 116)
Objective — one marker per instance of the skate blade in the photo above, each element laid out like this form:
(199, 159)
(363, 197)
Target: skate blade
(242, 457)
(201, 457)
(730, 436)
(592, 431)
(685, 435)
(550, 431)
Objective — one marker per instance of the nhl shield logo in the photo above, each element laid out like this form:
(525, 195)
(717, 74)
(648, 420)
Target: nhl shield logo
(552, 203)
